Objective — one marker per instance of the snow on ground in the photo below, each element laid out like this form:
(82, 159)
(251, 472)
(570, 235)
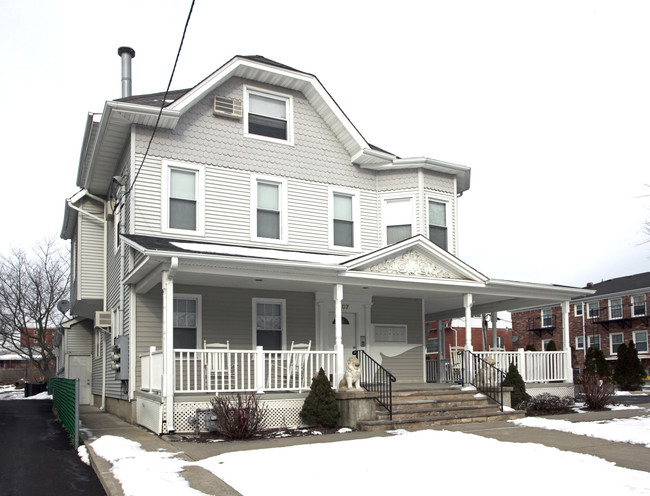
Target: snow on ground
(429, 460)
(635, 430)
(11, 393)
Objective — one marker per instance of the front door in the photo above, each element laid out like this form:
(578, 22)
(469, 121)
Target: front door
(350, 334)
(79, 368)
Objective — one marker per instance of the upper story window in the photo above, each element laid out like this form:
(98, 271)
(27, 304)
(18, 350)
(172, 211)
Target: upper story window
(616, 308)
(268, 116)
(438, 223)
(638, 305)
(547, 317)
(580, 343)
(269, 209)
(183, 198)
(577, 308)
(593, 311)
(344, 215)
(397, 216)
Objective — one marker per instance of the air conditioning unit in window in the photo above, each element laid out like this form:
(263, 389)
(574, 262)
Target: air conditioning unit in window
(103, 320)
(227, 107)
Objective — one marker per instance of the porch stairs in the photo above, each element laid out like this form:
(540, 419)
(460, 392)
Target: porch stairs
(421, 408)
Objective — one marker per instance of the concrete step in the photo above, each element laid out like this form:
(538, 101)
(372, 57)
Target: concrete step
(444, 410)
(443, 419)
(402, 404)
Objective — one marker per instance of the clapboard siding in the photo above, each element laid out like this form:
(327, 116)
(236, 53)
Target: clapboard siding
(90, 251)
(78, 339)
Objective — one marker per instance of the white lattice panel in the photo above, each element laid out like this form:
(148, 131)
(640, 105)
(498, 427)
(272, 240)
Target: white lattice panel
(281, 413)
(560, 390)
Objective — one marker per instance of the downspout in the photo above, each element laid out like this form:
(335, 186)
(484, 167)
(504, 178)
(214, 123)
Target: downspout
(168, 339)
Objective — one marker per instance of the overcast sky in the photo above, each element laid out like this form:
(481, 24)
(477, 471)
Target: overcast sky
(547, 101)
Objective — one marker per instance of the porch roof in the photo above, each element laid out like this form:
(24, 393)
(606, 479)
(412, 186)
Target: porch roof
(413, 268)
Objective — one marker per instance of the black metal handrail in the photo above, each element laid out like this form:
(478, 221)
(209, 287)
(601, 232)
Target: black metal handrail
(376, 379)
(483, 375)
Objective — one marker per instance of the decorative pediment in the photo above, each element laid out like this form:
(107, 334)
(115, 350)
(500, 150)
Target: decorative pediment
(411, 263)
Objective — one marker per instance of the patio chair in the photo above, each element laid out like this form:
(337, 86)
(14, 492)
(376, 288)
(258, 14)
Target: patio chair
(297, 365)
(456, 361)
(217, 370)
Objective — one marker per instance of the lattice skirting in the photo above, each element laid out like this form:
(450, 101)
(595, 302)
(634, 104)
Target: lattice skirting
(560, 389)
(281, 413)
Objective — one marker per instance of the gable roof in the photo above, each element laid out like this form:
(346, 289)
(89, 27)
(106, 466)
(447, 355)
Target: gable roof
(104, 141)
(625, 284)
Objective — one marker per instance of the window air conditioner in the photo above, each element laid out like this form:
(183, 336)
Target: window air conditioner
(227, 107)
(103, 320)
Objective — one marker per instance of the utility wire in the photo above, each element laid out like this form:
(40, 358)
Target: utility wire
(162, 106)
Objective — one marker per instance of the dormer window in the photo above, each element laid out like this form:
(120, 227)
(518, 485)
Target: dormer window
(268, 116)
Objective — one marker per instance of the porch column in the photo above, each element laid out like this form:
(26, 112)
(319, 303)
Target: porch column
(494, 318)
(168, 340)
(467, 303)
(566, 341)
(442, 348)
(338, 334)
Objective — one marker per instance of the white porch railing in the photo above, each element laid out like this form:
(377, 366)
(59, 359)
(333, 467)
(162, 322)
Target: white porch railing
(152, 368)
(210, 371)
(534, 366)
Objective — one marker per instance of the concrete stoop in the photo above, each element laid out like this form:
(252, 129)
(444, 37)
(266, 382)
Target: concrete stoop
(419, 409)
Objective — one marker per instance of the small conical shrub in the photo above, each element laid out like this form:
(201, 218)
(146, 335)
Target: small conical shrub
(595, 363)
(628, 371)
(320, 407)
(551, 346)
(530, 347)
(514, 380)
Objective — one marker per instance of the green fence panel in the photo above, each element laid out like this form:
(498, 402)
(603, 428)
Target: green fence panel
(65, 394)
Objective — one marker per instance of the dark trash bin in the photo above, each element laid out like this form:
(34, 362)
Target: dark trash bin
(33, 388)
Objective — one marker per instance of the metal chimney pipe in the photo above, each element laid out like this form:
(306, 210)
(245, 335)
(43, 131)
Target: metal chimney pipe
(127, 53)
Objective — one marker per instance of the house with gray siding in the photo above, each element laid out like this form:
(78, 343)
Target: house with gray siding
(240, 235)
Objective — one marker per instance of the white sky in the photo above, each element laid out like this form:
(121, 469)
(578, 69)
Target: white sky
(547, 101)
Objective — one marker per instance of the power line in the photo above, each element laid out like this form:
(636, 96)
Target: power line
(162, 106)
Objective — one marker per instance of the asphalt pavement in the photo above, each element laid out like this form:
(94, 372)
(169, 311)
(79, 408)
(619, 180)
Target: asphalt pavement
(36, 455)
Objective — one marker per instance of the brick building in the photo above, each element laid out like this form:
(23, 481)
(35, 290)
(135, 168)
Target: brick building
(617, 312)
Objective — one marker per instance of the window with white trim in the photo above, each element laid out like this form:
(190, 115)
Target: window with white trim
(547, 317)
(615, 340)
(183, 186)
(437, 219)
(640, 341)
(501, 342)
(545, 343)
(268, 116)
(187, 321)
(593, 341)
(580, 343)
(269, 324)
(98, 342)
(616, 308)
(638, 305)
(577, 309)
(397, 214)
(269, 209)
(593, 310)
(344, 215)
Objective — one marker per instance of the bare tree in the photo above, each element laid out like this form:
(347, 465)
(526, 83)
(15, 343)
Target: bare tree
(31, 285)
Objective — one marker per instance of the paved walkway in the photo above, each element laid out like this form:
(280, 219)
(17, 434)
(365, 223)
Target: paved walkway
(36, 456)
(99, 423)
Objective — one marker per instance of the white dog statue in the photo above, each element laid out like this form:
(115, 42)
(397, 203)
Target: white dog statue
(352, 377)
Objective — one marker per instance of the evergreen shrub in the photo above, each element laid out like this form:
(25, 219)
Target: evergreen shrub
(548, 403)
(595, 363)
(514, 380)
(320, 408)
(629, 373)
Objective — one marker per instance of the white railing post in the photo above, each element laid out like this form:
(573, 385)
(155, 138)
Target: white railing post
(521, 366)
(259, 369)
(151, 350)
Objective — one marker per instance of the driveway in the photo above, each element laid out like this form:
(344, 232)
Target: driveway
(36, 455)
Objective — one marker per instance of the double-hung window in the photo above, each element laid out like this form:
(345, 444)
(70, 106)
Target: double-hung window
(438, 223)
(183, 198)
(580, 343)
(615, 340)
(593, 341)
(398, 219)
(187, 311)
(269, 323)
(344, 215)
(577, 309)
(638, 305)
(269, 209)
(640, 341)
(593, 311)
(547, 317)
(268, 116)
(616, 308)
